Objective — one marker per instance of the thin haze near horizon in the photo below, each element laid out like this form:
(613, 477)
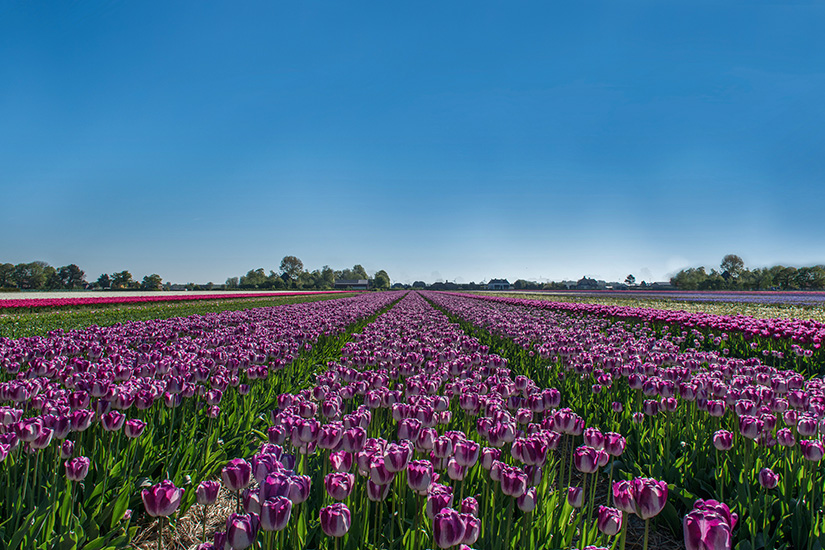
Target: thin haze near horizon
(460, 141)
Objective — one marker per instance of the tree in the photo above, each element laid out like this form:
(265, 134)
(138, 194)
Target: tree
(732, 265)
(6, 271)
(71, 276)
(381, 281)
(359, 272)
(254, 278)
(31, 276)
(151, 282)
(104, 281)
(232, 282)
(419, 284)
(122, 279)
(291, 267)
(327, 277)
(630, 280)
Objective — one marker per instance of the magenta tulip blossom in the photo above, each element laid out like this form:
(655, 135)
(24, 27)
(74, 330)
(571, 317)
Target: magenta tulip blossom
(609, 521)
(207, 492)
(242, 530)
(162, 500)
(339, 485)
(77, 469)
(768, 479)
(650, 496)
(448, 528)
(706, 530)
(237, 474)
(723, 440)
(335, 519)
(275, 513)
(575, 496)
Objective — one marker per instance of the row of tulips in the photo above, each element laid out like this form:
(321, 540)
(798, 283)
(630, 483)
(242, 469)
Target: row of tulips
(45, 303)
(669, 403)
(796, 343)
(478, 457)
(90, 416)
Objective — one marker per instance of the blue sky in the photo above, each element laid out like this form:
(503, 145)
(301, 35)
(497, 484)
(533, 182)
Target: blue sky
(459, 141)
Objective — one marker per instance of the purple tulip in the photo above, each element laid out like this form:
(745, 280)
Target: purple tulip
(112, 421)
(706, 530)
(207, 492)
(134, 428)
(377, 493)
(610, 521)
(750, 426)
(575, 496)
(419, 475)
(650, 496)
(67, 449)
(586, 459)
(466, 453)
(469, 506)
(513, 482)
(439, 497)
(78, 468)
(768, 479)
(237, 474)
(448, 528)
(340, 461)
(723, 440)
(251, 501)
(44, 439)
(299, 487)
(275, 513)
(488, 456)
(161, 500)
(335, 519)
(275, 485)
(242, 530)
(784, 437)
(527, 501)
(379, 474)
(396, 457)
(339, 485)
(719, 508)
(472, 529)
(594, 438)
(812, 449)
(614, 444)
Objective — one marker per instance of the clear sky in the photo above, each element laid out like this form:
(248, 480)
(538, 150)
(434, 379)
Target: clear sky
(435, 140)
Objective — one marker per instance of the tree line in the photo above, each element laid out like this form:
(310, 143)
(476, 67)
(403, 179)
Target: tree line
(292, 276)
(40, 275)
(733, 275)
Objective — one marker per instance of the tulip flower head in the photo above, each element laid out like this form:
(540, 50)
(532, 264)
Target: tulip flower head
(335, 519)
(162, 500)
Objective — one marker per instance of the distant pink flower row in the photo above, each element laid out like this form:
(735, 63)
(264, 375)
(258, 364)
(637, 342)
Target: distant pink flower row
(802, 331)
(62, 302)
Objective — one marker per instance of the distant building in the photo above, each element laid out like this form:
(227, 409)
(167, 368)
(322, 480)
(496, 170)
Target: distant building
(664, 285)
(352, 284)
(498, 284)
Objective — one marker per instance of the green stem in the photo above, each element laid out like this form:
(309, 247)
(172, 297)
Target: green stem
(647, 531)
(509, 520)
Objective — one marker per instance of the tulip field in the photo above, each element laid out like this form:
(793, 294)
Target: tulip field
(416, 420)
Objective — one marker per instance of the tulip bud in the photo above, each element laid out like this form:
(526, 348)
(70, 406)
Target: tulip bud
(335, 519)
(77, 469)
(275, 513)
(609, 521)
(207, 492)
